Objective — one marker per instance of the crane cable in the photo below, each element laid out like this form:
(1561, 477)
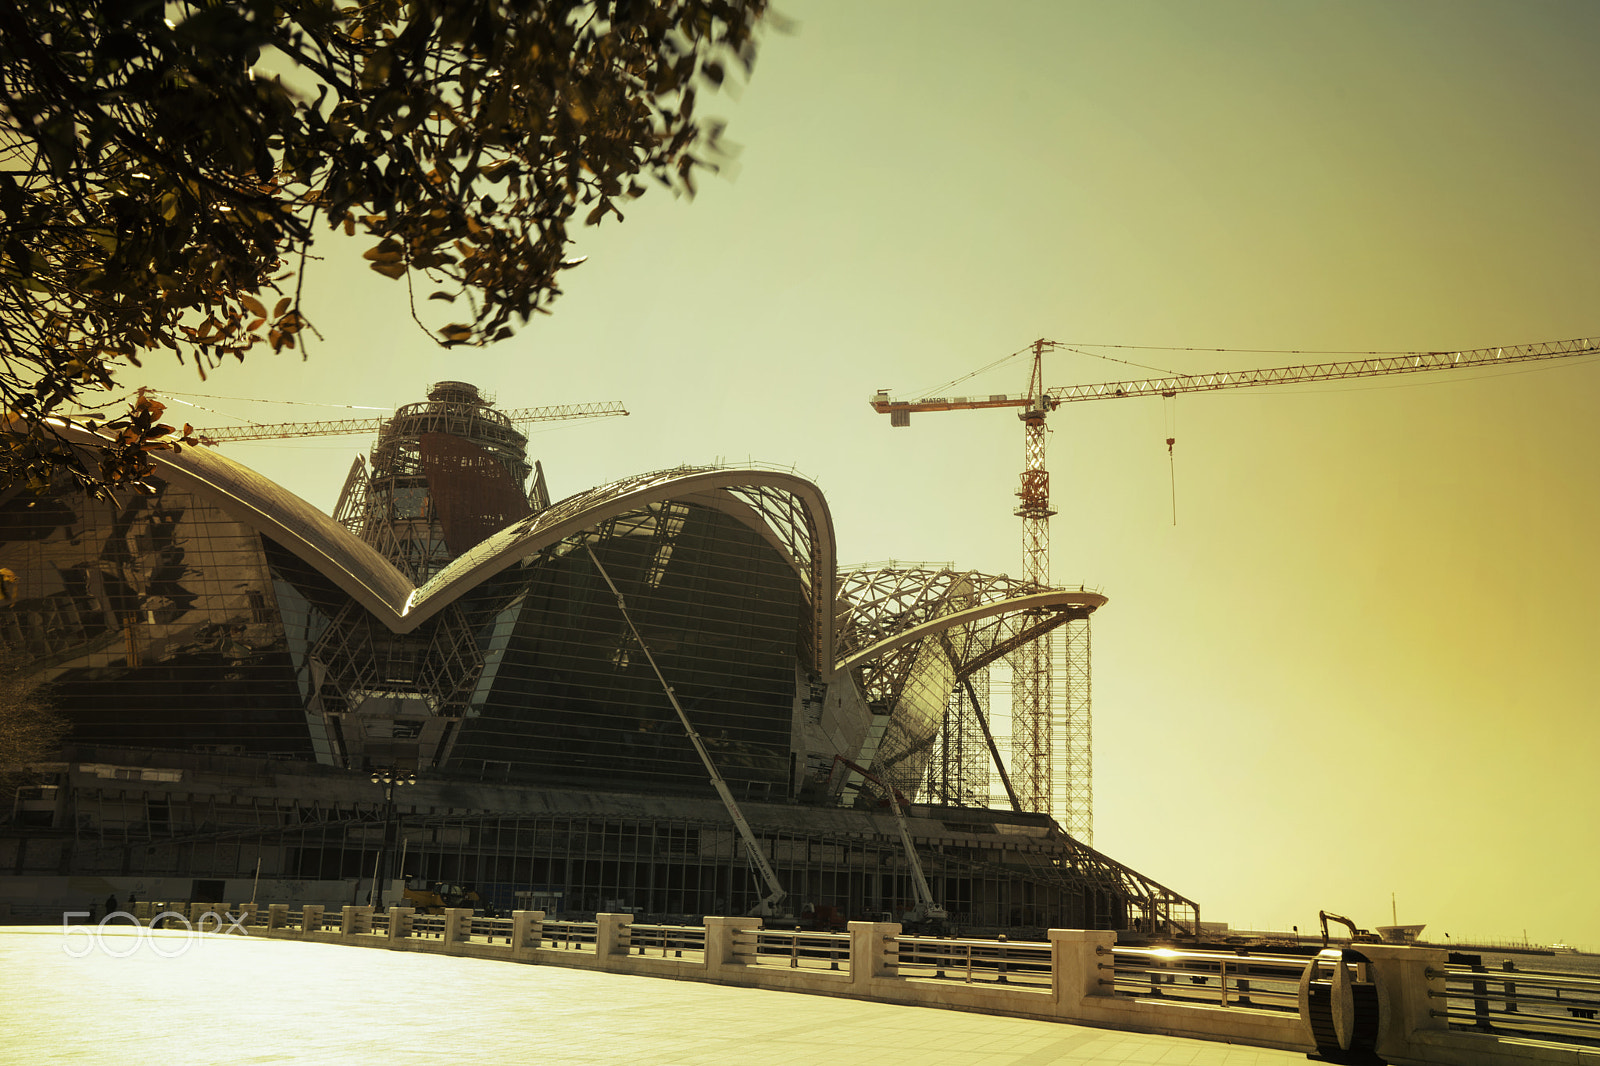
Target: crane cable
(1172, 438)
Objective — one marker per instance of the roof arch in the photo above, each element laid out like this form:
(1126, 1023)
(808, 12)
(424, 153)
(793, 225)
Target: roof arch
(887, 610)
(793, 517)
(788, 510)
(1057, 602)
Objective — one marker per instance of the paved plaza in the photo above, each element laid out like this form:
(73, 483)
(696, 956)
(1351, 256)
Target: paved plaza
(241, 999)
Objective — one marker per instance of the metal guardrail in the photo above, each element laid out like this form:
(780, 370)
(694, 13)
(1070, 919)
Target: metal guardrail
(578, 936)
(793, 949)
(1546, 1003)
(670, 941)
(429, 925)
(489, 929)
(1215, 978)
(1021, 963)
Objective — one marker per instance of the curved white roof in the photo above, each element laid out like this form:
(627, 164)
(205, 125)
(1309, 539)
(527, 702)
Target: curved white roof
(803, 532)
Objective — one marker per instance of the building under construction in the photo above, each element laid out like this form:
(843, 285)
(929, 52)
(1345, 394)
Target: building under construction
(238, 667)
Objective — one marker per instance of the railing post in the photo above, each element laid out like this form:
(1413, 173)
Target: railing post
(400, 922)
(613, 935)
(721, 934)
(249, 913)
(1480, 997)
(527, 933)
(1076, 960)
(1511, 987)
(1403, 976)
(347, 919)
(311, 918)
(277, 915)
(457, 926)
(870, 944)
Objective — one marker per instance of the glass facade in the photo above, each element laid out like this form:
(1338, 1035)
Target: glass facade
(163, 622)
(155, 619)
(575, 699)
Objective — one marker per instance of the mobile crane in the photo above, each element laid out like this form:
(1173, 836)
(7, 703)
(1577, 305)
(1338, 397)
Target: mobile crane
(776, 893)
(926, 915)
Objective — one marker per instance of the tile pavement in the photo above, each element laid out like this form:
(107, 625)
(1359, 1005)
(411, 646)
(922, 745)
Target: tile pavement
(242, 1000)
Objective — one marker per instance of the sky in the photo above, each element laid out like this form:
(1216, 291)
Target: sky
(1349, 656)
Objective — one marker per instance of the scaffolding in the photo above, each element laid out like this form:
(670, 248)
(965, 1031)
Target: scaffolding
(1072, 726)
(918, 632)
(958, 773)
(445, 473)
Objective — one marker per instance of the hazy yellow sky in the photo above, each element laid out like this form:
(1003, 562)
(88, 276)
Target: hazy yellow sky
(1364, 659)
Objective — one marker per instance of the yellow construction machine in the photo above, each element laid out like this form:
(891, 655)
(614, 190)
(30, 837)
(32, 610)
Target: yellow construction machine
(434, 897)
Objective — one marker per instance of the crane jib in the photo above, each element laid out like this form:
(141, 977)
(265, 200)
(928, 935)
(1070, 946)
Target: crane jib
(352, 427)
(1405, 363)
(1409, 363)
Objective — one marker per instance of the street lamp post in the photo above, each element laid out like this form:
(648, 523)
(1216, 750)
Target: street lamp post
(390, 778)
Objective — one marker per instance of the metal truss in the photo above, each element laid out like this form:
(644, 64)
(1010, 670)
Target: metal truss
(352, 505)
(905, 625)
(958, 772)
(362, 670)
(349, 427)
(1072, 729)
(1062, 861)
(785, 509)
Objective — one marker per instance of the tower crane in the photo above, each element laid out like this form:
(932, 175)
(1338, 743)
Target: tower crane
(352, 427)
(1034, 740)
(1032, 732)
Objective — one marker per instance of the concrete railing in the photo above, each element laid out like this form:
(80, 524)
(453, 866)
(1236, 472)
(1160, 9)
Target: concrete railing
(1377, 997)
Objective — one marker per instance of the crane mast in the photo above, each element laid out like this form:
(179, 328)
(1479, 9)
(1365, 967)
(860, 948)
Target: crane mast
(1052, 766)
(1051, 727)
(1032, 746)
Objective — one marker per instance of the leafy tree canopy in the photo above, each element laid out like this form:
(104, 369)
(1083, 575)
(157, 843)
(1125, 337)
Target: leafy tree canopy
(160, 185)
